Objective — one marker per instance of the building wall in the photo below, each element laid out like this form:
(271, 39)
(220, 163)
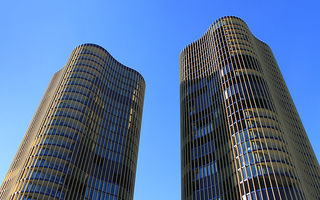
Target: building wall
(299, 145)
(83, 140)
(239, 126)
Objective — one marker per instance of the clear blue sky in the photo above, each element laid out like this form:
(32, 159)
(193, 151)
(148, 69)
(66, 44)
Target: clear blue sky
(37, 38)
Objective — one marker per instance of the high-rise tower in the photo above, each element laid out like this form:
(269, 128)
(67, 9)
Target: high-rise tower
(241, 135)
(82, 142)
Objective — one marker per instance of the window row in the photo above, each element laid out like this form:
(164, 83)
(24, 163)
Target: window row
(59, 153)
(260, 157)
(58, 142)
(262, 170)
(41, 175)
(69, 124)
(73, 114)
(101, 185)
(47, 163)
(246, 135)
(203, 150)
(66, 133)
(37, 188)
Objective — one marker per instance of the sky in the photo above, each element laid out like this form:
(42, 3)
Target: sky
(37, 38)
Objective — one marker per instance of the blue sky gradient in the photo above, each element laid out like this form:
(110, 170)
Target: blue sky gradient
(37, 38)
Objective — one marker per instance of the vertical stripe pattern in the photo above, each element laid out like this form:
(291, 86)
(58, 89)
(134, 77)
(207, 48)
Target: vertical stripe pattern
(83, 140)
(241, 136)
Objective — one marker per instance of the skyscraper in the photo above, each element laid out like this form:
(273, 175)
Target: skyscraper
(241, 135)
(83, 140)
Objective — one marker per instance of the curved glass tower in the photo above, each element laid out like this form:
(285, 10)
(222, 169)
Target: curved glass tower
(82, 142)
(241, 135)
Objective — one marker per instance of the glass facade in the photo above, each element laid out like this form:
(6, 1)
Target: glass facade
(83, 140)
(241, 136)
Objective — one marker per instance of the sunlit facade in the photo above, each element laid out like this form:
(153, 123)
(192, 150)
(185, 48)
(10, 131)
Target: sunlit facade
(241, 135)
(83, 140)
